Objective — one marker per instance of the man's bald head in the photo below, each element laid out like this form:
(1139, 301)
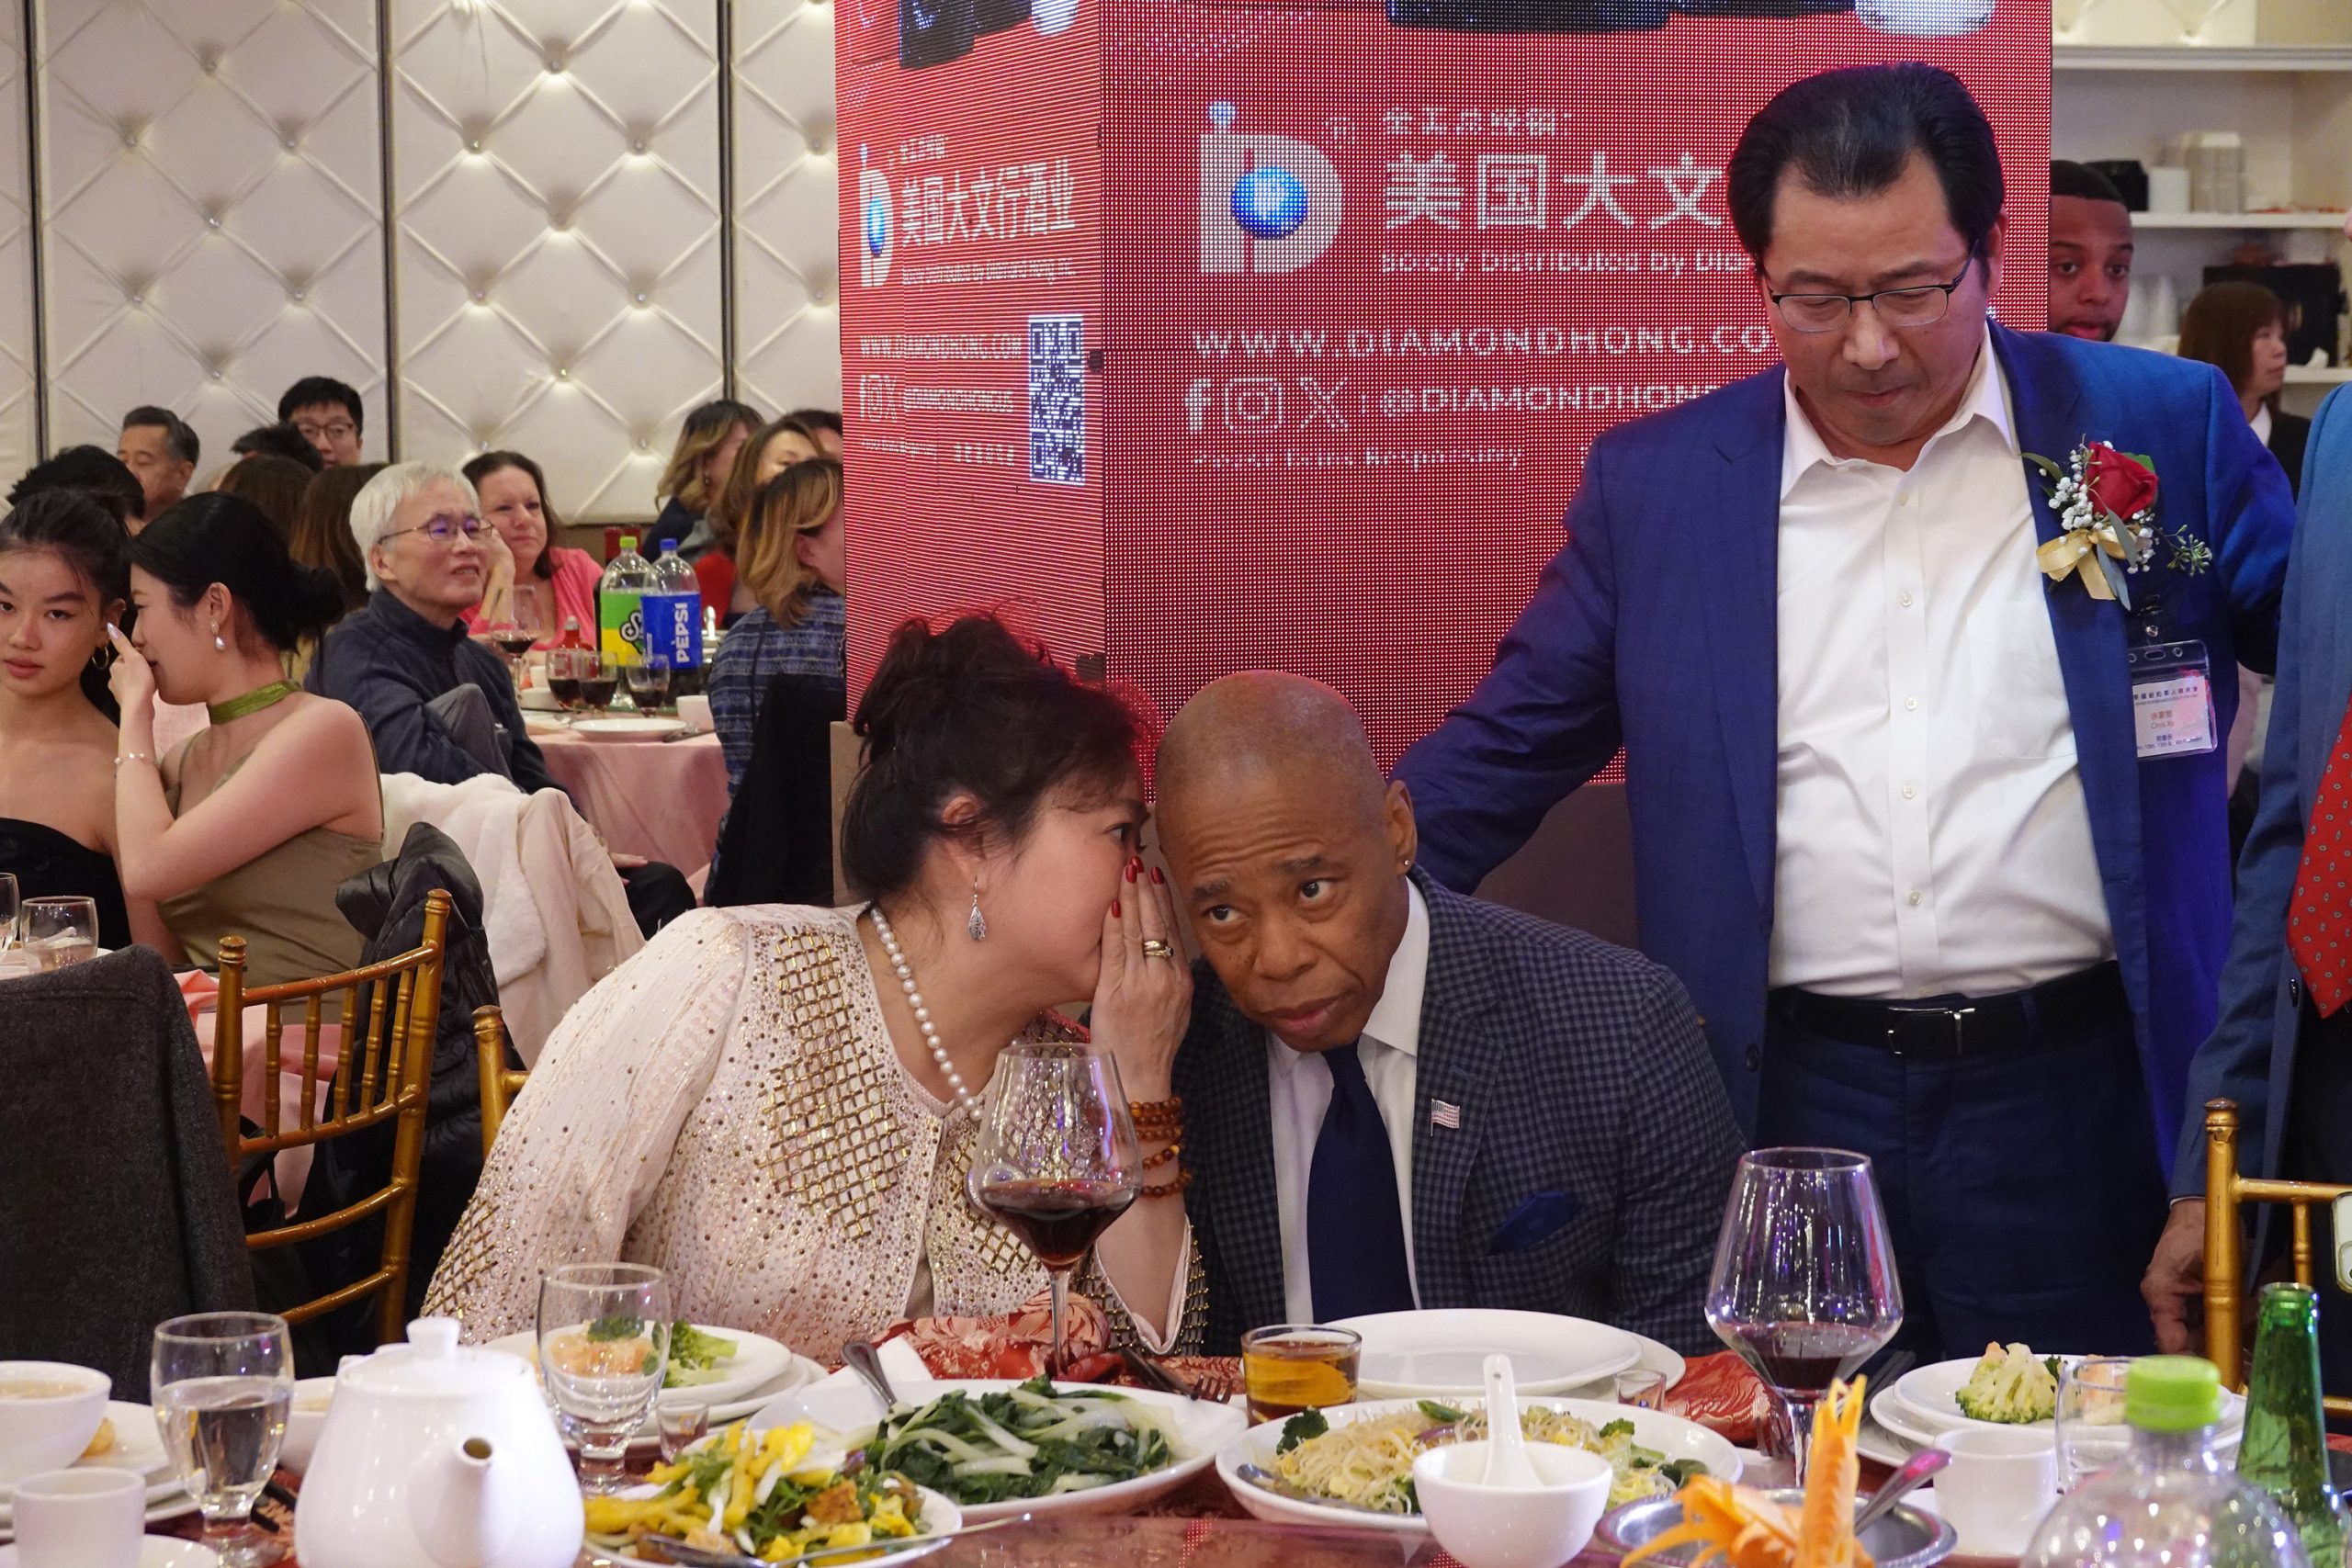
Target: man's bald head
(1290, 852)
(1265, 726)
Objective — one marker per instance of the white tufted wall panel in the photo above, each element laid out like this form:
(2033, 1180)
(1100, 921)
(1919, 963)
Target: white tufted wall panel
(212, 221)
(785, 193)
(555, 179)
(19, 438)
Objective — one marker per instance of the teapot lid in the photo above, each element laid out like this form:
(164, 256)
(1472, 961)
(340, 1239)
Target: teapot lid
(434, 1363)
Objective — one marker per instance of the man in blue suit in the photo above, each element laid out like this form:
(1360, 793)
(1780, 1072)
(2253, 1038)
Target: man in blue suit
(1938, 894)
(2283, 1050)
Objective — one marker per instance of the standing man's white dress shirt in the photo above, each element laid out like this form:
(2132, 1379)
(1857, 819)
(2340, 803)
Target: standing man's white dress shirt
(1301, 1087)
(1932, 834)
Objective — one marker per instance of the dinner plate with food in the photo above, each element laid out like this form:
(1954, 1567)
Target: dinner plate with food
(1352, 1465)
(772, 1494)
(2008, 1385)
(996, 1448)
(1432, 1355)
(731, 1370)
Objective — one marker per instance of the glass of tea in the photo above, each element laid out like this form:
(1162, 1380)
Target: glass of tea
(1057, 1160)
(1292, 1367)
(58, 932)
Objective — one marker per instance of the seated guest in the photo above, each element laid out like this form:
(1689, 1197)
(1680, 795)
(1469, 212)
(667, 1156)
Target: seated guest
(247, 828)
(65, 577)
(322, 528)
(160, 448)
(773, 448)
(277, 440)
(94, 472)
(706, 446)
(548, 583)
(825, 425)
(1353, 1024)
(2242, 327)
(418, 528)
(274, 484)
(327, 414)
(672, 1119)
(795, 563)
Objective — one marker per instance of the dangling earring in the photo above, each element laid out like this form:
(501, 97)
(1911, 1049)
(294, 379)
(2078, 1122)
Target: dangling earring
(977, 926)
(220, 644)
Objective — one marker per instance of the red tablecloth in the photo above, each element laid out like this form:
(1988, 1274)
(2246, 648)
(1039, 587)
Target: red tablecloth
(659, 799)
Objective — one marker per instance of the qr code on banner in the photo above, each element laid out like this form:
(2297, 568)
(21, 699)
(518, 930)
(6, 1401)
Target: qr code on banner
(1058, 399)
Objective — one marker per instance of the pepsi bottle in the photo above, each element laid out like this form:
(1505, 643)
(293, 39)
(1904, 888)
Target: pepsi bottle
(933, 32)
(1531, 16)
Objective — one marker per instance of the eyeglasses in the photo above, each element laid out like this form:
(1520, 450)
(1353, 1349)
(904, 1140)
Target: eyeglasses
(341, 430)
(1923, 306)
(443, 529)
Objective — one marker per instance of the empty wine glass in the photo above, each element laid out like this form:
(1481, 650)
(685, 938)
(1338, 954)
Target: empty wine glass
(222, 1382)
(1804, 1285)
(8, 912)
(58, 932)
(603, 1345)
(1057, 1160)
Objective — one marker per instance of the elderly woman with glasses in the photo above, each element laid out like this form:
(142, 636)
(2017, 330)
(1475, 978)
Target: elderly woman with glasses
(399, 660)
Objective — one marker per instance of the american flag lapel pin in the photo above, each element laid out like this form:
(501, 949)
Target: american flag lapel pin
(1442, 1114)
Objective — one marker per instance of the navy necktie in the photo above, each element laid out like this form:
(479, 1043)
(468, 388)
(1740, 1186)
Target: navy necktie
(1356, 1232)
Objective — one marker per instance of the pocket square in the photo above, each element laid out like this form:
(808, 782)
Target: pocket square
(1537, 1219)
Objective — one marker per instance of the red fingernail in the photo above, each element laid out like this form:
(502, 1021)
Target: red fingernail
(1131, 871)
(1158, 880)
(1114, 909)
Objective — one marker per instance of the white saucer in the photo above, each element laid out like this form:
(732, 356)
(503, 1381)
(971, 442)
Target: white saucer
(155, 1551)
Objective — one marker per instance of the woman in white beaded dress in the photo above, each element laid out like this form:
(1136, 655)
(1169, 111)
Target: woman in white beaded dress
(777, 1105)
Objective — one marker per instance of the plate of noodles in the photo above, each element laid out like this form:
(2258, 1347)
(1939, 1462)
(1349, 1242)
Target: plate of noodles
(1361, 1457)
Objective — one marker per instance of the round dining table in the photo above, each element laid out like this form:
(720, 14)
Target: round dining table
(660, 799)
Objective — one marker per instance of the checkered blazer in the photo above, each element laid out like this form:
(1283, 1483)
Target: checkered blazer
(1594, 1149)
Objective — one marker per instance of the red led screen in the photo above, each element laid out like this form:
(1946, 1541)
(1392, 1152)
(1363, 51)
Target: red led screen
(1361, 283)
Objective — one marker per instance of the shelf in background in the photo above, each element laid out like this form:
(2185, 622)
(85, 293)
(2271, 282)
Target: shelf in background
(2319, 375)
(2189, 57)
(2237, 220)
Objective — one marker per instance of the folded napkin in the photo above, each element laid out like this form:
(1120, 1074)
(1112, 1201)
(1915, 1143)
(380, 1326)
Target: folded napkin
(1722, 1394)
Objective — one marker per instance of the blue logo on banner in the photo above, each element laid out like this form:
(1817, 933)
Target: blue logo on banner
(1270, 203)
(877, 226)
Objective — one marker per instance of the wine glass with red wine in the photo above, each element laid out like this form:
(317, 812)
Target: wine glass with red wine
(1804, 1285)
(1057, 1160)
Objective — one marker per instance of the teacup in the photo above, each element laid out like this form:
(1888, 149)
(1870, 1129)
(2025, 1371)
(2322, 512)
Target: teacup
(1512, 1526)
(80, 1518)
(49, 1412)
(1996, 1487)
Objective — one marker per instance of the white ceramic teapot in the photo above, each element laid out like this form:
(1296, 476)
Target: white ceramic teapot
(435, 1454)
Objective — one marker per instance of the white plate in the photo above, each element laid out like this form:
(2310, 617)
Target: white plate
(1927, 1400)
(1900, 1421)
(759, 1362)
(1669, 1435)
(848, 1410)
(1428, 1355)
(1876, 1443)
(939, 1515)
(155, 1551)
(629, 728)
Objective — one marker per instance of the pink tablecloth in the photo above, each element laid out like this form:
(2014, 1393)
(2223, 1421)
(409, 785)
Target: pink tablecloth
(659, 799)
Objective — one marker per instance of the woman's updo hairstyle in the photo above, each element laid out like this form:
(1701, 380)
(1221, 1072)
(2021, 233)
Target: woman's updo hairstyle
(971, 710)
(216, 537)
(86, 535)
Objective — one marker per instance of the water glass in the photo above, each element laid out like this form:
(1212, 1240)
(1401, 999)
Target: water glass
(2091, 1433)
(58, 932)
(1804, 1285)
(222, 1384)
(8, 912)
(603, 1345)
(1644, 1388)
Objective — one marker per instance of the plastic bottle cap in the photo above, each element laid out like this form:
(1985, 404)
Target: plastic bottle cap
(669, 544)
(2172, 1394)
(629, 541)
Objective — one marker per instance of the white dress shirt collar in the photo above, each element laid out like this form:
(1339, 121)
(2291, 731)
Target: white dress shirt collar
(1985, 397)
(2262, 422)
(1395, 1022)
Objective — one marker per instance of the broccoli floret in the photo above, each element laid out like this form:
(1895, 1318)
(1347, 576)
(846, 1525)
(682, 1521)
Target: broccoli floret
(2009, 1386)
(1299, 1429)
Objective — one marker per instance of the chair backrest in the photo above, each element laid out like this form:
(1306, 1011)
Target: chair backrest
(500, 1083)
(389, 1013)
(2225, 1193)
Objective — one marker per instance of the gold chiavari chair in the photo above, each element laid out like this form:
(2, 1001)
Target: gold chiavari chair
(2225, 1285)
(499, 1082)
(389, 1014)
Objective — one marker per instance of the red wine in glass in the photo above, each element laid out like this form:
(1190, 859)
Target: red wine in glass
(596, 691)
(513, 644)
(1057, 1220)
(1803, 1358)
(565, 689)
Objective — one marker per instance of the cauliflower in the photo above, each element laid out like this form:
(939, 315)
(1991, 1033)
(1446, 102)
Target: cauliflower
(2012, 1386)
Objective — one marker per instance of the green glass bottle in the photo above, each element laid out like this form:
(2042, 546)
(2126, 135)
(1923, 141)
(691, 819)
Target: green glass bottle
(2285, 1450)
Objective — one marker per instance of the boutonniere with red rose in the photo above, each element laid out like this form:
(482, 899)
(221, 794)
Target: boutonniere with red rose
(2105, 502)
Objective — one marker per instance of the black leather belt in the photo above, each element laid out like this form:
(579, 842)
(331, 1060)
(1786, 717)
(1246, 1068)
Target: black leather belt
(2051, 1015)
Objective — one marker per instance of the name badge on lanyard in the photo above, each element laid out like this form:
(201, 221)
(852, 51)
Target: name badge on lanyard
(2172, 699)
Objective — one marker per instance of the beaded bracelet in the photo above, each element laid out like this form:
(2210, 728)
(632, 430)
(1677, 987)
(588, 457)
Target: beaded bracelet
(1183, 1179)
(1153, 1162)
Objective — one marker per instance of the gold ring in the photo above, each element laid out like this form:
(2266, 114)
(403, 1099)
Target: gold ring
(1155, 948)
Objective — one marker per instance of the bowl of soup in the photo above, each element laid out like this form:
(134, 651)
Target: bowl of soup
(49, 1412)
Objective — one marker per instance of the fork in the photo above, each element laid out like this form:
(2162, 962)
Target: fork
(1212, 1387)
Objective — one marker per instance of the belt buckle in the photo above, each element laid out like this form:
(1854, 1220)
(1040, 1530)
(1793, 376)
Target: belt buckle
(1958, 1017)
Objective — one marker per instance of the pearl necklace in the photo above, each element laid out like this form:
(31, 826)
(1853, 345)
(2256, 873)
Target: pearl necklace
(963, 1096)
